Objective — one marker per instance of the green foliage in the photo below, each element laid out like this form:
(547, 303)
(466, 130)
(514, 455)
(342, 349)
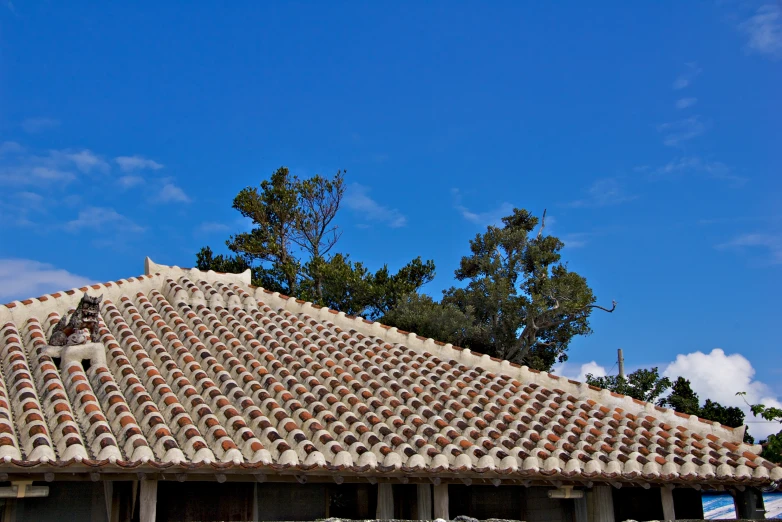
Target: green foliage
(728, 415)
(289, 248)
(772, 447)
(682, 398)
(206, 260)
(644, 385)
(523, 303)
(519, 301)
(350, 287)
(288, 213)
(426, 317)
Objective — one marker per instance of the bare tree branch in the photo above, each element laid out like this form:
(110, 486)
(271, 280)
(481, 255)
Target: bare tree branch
(542, 224)
(613, 307)
(528, 338)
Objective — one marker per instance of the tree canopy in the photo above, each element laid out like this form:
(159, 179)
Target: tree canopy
(518, 300)
(772, 447)
(644, 385)
(290, 248)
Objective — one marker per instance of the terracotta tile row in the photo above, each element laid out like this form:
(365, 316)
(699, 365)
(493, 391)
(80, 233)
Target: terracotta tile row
(201, 373)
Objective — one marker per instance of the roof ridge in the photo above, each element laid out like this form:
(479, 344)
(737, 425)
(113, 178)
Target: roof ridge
(44, 304)
(152, 271)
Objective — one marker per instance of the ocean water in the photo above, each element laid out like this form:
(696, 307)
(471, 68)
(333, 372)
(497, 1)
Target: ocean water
(716, 507)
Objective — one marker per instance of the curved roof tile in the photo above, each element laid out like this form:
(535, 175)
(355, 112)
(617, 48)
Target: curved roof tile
(198, 370)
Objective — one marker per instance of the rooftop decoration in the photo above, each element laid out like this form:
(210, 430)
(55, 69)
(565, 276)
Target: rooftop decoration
(86, 316)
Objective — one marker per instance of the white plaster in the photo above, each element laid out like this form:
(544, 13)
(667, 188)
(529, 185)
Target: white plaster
(150, 267)
(75, 354)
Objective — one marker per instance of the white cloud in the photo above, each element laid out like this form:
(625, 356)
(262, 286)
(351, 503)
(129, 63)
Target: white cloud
(686, 78)
(17, 209)
(131, 163)
(487, 218)
(127, 182)
(579, 373)
(764, 30)
(211, 227)
(85, 160)
(29, 175)
(29, 197)
(683, 103)
(696, 165)
(603, 192)
(25, 278)
(718, 376)
(677, 132)
(770, 243)
(34, 125)
(21, 167)
(101, 218)
(170, 192)
(10, 147)
(576, 240)
(51, 174)
(358, 200)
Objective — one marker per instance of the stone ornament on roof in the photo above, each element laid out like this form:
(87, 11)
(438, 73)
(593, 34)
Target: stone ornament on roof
(86, 316)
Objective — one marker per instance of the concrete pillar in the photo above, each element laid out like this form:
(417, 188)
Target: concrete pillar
(441, 502)
(148, 501)
(581, 512)
(385, 502)
(667, 498)
(424, 504)
(255, 502)
(600, 504)
(113, 500)
(749, 504)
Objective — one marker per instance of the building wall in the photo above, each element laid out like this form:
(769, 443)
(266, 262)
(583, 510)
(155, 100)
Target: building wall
(205, 501)
(237, 501)
(508, 502)
(646, 504)
(688, 503)
(67, 502)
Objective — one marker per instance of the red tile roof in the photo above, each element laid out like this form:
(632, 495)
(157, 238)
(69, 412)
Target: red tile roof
(200, 371)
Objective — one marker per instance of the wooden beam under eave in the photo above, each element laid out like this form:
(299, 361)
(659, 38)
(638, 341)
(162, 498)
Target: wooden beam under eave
(581, 513)
(441, 501)
(148, 501)
(600, 504)
(112, 496)
(424, 502)
(385, 501)
(749, 504)
(667, 498)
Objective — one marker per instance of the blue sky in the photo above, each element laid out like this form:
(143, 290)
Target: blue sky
(650, 133)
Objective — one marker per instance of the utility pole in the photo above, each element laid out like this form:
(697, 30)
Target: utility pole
(621, 363)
